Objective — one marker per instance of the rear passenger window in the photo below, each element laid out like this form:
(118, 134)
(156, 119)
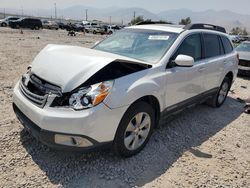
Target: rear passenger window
(212, 45)
(227, 44)
(191, 46)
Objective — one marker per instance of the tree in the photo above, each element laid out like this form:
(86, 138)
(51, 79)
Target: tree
(239, 31)
(185, 21)
(244, 32)
(136, 20)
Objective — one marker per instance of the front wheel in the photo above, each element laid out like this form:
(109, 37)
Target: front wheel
(219, 98)
(4, 25)
(134, 130)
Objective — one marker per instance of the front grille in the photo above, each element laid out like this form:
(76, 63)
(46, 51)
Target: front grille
(37, 90)
(34, 98)
(244, 63)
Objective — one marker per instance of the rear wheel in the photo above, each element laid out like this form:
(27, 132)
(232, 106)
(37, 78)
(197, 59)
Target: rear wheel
(36, 27)
(219, 98)
(134, 129)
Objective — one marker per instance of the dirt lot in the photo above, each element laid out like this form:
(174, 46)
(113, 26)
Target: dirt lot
(200, 147)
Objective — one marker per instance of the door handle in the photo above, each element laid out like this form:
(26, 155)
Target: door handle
(201, 69)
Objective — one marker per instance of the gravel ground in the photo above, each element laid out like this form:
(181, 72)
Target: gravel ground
(200, 147)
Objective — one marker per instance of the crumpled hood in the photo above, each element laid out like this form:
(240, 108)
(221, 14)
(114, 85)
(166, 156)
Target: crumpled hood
(244, 55)
(70, 66)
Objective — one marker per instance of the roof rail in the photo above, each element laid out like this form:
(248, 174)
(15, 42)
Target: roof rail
(147, 22)
(205, 26)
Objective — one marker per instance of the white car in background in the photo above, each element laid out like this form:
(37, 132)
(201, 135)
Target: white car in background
(113, 94)
(244, 55)
(112, 28)
(5, 22)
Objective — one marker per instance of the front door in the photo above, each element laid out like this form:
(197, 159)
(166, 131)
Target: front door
(183, 83)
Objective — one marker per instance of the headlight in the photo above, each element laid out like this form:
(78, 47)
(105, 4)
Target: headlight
(90, 96)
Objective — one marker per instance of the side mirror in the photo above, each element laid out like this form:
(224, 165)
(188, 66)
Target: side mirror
(184, 61)
(97, 42)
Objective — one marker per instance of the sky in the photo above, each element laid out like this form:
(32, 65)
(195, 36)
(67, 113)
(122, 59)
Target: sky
(155, 6)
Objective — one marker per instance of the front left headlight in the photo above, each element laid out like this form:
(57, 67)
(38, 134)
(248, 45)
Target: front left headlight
(90, 96)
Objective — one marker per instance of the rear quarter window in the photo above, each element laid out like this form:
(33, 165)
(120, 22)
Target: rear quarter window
(212, 45)
(227, 44)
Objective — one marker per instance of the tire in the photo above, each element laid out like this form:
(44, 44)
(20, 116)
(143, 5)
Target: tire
(128, 139)
(17, 26)
(4, 25)
(36, 27)
(219, 98)
(110, 33)
(94, 32)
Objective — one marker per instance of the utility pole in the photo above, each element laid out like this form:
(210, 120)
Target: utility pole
(22, 10)
(4, 13)
(55, 11)
(86, 14)
(110, 20)
(134, 15)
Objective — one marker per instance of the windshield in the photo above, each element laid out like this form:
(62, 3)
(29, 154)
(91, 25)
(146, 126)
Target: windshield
(144, 45)
(244, 47)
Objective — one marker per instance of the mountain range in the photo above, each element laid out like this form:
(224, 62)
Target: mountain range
(225, 18)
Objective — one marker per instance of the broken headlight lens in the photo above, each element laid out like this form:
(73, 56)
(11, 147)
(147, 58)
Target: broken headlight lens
(90, 96)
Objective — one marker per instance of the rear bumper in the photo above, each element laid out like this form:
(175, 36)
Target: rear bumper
(244, 68)
(48, 137)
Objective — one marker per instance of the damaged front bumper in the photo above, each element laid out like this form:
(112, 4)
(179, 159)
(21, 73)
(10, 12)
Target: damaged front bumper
(64, 127)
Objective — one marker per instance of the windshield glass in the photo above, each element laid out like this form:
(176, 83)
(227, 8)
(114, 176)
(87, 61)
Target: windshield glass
(245, 47)
(144, 45)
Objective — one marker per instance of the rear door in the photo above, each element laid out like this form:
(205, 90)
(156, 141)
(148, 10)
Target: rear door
(214, 60)
(184, 83)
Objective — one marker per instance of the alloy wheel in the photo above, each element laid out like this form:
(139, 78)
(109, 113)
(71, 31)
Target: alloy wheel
(223, 92)
(137, 131)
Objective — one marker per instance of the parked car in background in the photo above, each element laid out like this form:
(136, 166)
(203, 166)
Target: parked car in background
(96, 29)
(112, 28)
(31, 23)
(89, 25)
(61, 25)
(74, 27)
(234, 38)
(244, 58)
(47, 24)
(113, 94)
(5, 22)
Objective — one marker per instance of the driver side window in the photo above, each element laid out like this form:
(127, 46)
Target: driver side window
(191, 46)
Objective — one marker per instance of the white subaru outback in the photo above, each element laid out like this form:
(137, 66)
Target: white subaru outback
(113, 94)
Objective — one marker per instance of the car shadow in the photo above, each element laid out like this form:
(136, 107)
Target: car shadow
(175, 136)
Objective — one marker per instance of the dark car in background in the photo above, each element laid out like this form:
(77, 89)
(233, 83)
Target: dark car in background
(61, 25)
(244, 58)
(31, 23)
(75, 27)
